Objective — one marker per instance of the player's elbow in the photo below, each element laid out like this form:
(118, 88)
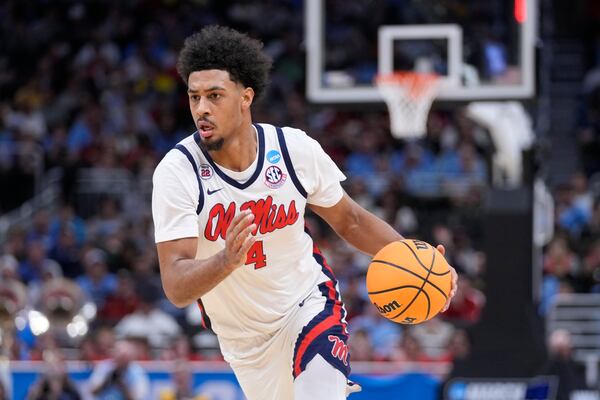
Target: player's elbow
(176, 295)
(178, 301)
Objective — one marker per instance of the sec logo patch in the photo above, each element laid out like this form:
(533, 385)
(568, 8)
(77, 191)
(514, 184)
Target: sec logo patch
(274, 177)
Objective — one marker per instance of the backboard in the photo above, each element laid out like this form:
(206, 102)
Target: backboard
(483, 50)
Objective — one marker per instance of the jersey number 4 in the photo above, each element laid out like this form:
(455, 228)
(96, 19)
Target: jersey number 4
(256, 255)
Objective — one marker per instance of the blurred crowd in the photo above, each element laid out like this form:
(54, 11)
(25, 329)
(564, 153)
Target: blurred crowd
(93, 86)
(572, 258)
(103, 94)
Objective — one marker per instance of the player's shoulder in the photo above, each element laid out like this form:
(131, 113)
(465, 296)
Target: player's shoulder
(177, 160)
(296, 140)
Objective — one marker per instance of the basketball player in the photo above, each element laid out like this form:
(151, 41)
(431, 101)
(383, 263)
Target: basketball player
(228, 207)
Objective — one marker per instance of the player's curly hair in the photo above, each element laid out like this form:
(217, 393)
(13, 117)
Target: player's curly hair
(219, 47)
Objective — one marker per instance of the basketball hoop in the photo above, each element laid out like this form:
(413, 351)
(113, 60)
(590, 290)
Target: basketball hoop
(408, 96)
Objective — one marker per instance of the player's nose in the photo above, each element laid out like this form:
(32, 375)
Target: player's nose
(202, 107)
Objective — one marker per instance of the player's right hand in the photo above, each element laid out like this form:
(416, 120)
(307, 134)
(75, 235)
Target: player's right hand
(238, 240)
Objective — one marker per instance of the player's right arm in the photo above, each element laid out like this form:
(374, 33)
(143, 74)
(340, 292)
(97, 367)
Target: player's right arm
(175, 198)
(186, 279)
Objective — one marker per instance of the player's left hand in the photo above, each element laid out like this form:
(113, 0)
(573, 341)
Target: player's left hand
(442, 250)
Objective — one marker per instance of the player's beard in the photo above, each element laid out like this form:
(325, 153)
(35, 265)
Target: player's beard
(212, 145)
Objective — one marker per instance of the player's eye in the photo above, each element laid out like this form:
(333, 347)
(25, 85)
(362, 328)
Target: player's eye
(195, 97)
(214, 96)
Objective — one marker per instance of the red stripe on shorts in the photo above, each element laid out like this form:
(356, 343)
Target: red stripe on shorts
(321, 327)
(201, 312)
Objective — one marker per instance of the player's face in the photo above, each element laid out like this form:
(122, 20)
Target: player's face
(217, 104)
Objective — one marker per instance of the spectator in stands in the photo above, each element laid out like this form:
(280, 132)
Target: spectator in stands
(410, 349)
(37, 265)
(462, 171)
(88, 351)
(559, 259)
(467, 305)
(382, 332)
(433, 337)
(571, 215)
(560, 268)
(149, 322)
(109, 220)
(181, 349)
(66, 219)
(45, 342)
(591, 269)
(458, 347)
(360, 346)
(15, 244)
(97, 283)
(120, 377)
(67, 253)
(54, 383)
(582, 196)
(8, 268)
(362, 161)
(40, 229)
(416, 167)
(561, 364)
(182, 384)
(123, 301)
(104, 341)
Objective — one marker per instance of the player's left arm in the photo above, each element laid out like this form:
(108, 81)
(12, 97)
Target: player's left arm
(365, 231)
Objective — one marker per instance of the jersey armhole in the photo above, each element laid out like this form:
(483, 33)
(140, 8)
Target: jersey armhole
(188, 155)
(288, 163)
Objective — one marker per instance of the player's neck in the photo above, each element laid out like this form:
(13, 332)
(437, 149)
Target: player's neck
(238, 151)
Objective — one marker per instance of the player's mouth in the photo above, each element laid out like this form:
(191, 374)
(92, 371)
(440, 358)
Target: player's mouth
(205, 129)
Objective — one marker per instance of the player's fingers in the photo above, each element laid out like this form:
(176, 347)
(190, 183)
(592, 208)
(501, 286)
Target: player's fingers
(234, 223)
(441, 249)
(454, 282)
(452, 290)
(239, 224)
(246, 246)
(242, 236)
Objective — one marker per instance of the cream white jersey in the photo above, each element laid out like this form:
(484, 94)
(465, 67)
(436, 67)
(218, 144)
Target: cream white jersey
(195, 197)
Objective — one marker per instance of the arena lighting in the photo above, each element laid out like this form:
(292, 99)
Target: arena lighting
(38, 322)
(520, 11)
(20, 322)
(77, 327)
(88, 311)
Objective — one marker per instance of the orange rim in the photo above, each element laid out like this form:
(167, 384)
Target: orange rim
(415, 82)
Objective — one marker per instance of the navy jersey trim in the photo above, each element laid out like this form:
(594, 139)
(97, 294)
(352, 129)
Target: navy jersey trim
(288, 163)
(187, 153)
(227, 178)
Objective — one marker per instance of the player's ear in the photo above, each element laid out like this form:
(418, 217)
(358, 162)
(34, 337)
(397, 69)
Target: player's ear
(247, 97)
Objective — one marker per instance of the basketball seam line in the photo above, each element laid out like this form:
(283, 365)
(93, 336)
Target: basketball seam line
(423, 285)
(422, 265)
(396, 288)
(410, 272)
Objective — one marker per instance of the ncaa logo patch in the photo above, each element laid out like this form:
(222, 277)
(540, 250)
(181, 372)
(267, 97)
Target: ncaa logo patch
(206, 171)
(274, 177)
(273, 156)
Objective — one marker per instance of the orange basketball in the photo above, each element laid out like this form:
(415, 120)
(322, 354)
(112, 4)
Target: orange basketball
(409, 281)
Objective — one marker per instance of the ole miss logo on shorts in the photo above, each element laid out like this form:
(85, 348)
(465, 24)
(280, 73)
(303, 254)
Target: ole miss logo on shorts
(339, 349)
(274, 177)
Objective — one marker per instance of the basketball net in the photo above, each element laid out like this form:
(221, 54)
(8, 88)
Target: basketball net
(408, 96)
